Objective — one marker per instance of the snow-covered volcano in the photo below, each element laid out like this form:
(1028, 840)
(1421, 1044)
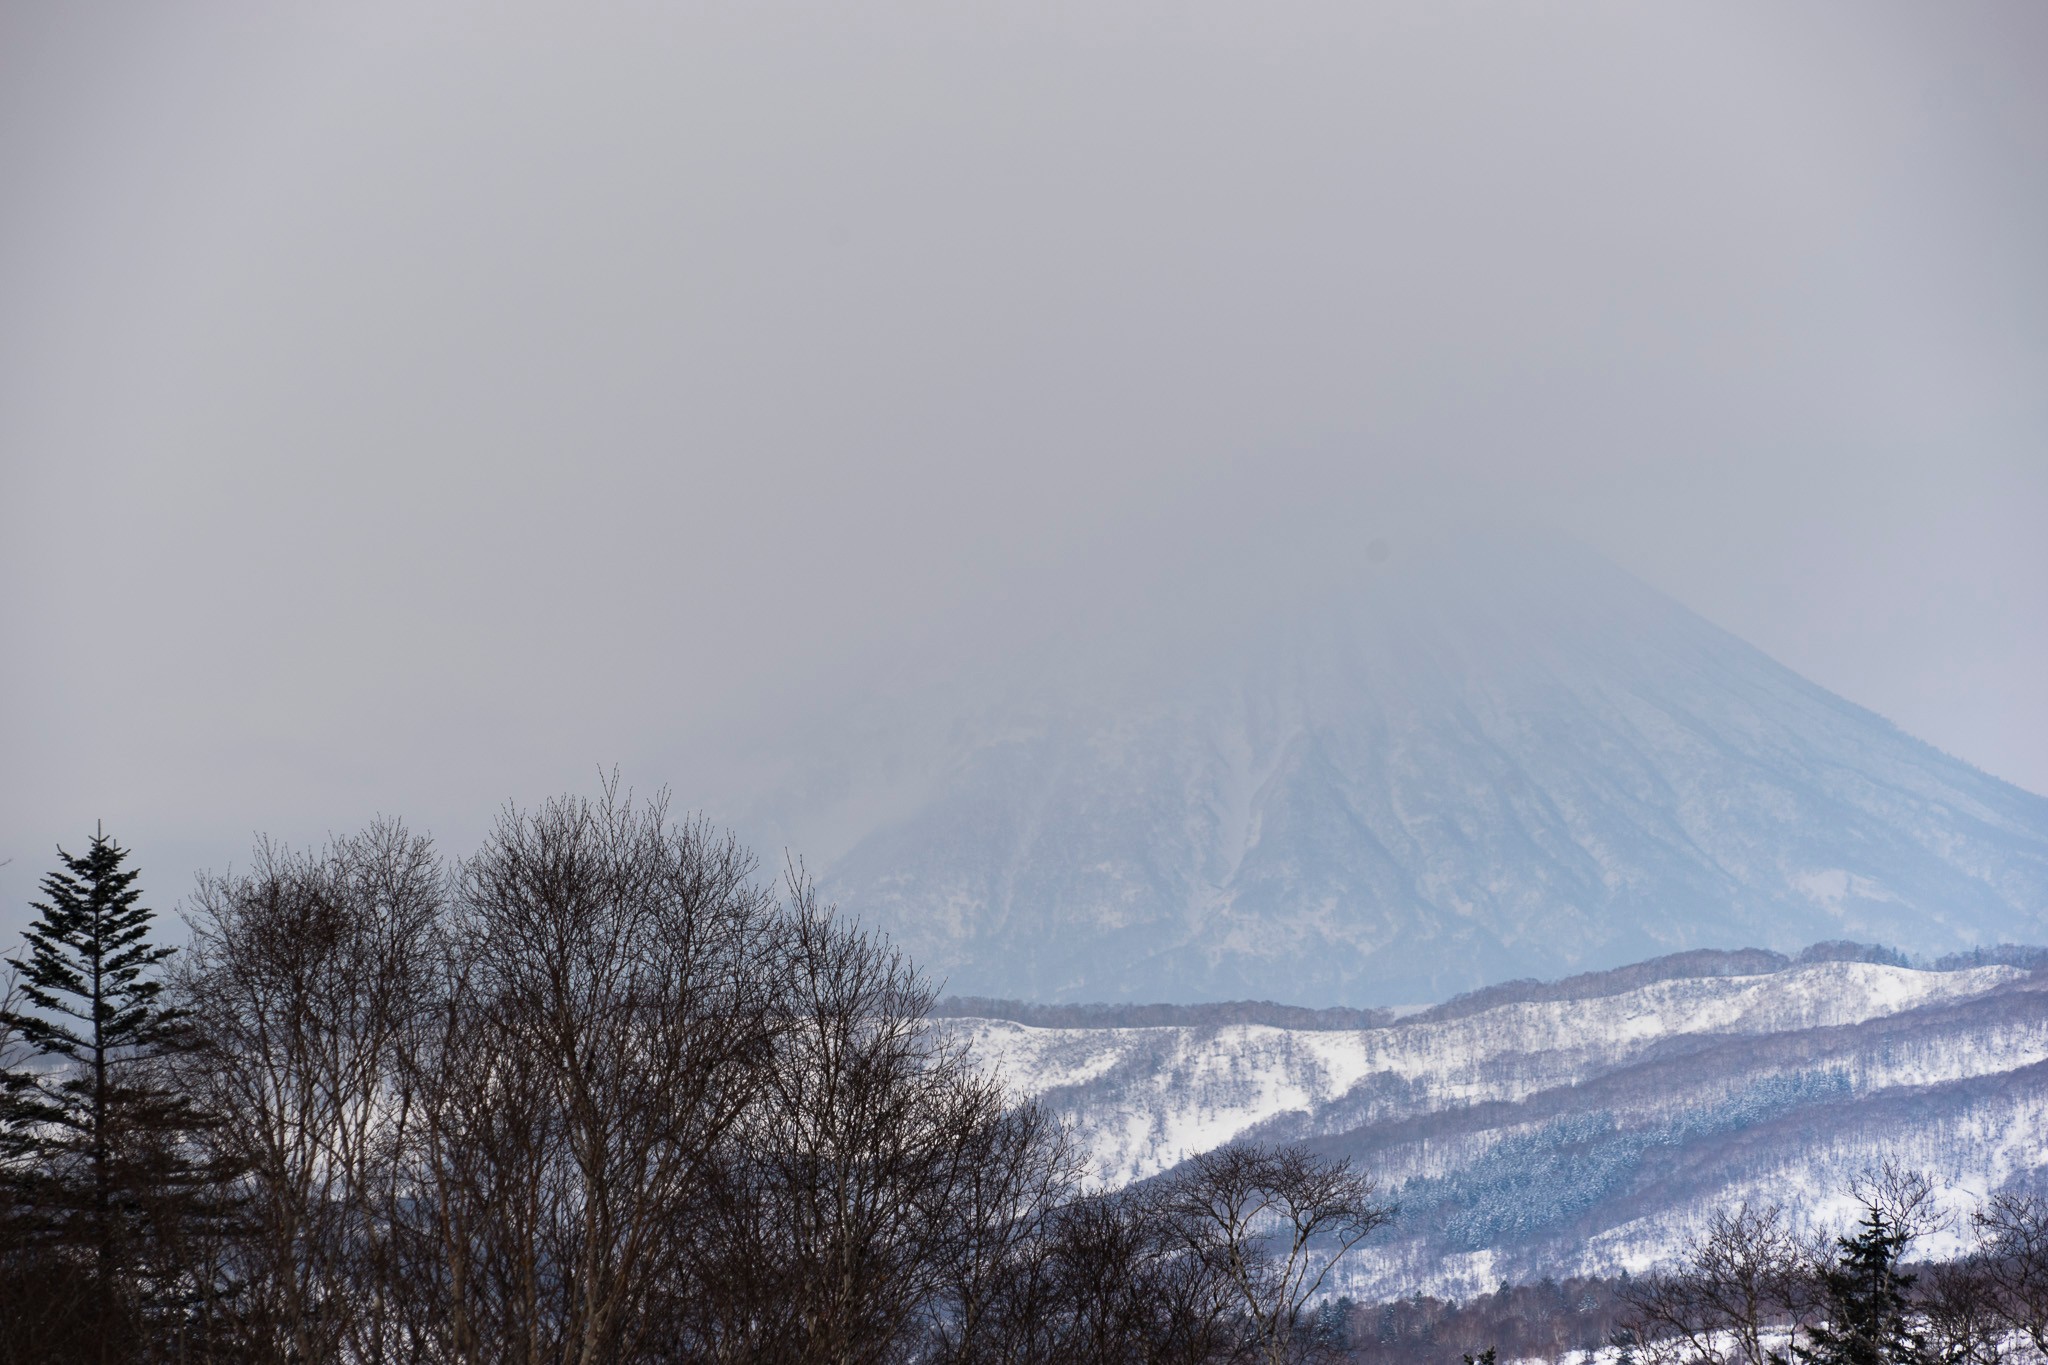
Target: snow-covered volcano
(1430, 771)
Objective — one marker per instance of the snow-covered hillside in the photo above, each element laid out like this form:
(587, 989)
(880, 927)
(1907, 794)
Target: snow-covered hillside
(1586, 1133)
(1455, 767)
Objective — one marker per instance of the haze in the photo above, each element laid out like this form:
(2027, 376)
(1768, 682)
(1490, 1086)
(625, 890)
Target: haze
(409, 410)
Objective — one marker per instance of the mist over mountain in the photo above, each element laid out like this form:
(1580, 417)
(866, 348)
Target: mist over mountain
(1426, 769)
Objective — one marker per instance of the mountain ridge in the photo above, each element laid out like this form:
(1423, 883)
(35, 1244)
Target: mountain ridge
(1697, 962)
(1586, 1134)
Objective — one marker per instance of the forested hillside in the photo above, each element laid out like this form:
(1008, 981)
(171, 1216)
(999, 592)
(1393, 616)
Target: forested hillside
(1584, 1131)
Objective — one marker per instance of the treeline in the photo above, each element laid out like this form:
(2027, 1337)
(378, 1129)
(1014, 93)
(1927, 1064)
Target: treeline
(592, 1094)
(1748, 1290)
(1548, 1320)
(1752, 1292)
(1693, 964)
(1331, 1019)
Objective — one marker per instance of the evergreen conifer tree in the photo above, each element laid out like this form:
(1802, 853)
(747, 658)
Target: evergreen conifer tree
(15, 1078)
(1868, 1318)
(97, 1144)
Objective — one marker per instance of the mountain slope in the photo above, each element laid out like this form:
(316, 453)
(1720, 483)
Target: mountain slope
(1585, 1134)
(1463, 765)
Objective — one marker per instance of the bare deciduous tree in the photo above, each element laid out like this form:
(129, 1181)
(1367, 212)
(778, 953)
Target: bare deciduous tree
(1903, 1196)
(305, 977)
(854, 1185)
(1011, 1176)
(598, 1095)
(1961, 1308)
(604, 1025)
(1743, 1281)
(1274, 1222)
(2014, 1229)
(1106, 1279)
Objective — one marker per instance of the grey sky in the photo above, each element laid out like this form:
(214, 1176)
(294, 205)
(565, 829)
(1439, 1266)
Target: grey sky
(404, 410)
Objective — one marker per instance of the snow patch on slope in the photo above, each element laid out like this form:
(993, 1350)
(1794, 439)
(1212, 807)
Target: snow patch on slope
(1143, 1099)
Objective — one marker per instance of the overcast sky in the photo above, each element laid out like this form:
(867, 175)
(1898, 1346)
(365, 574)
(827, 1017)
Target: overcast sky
(406, 408)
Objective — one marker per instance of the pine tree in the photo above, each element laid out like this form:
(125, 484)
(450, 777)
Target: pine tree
(95, 1134)
(15, 1078)
(1868, 1319)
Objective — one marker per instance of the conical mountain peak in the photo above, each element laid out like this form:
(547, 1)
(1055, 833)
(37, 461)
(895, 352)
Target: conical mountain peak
(1425, 769)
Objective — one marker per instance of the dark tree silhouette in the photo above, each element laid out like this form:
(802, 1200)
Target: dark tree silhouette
(16, 1078)
(101, 1172)
(1867, 1317)
(305, 977)
(592, 1095)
